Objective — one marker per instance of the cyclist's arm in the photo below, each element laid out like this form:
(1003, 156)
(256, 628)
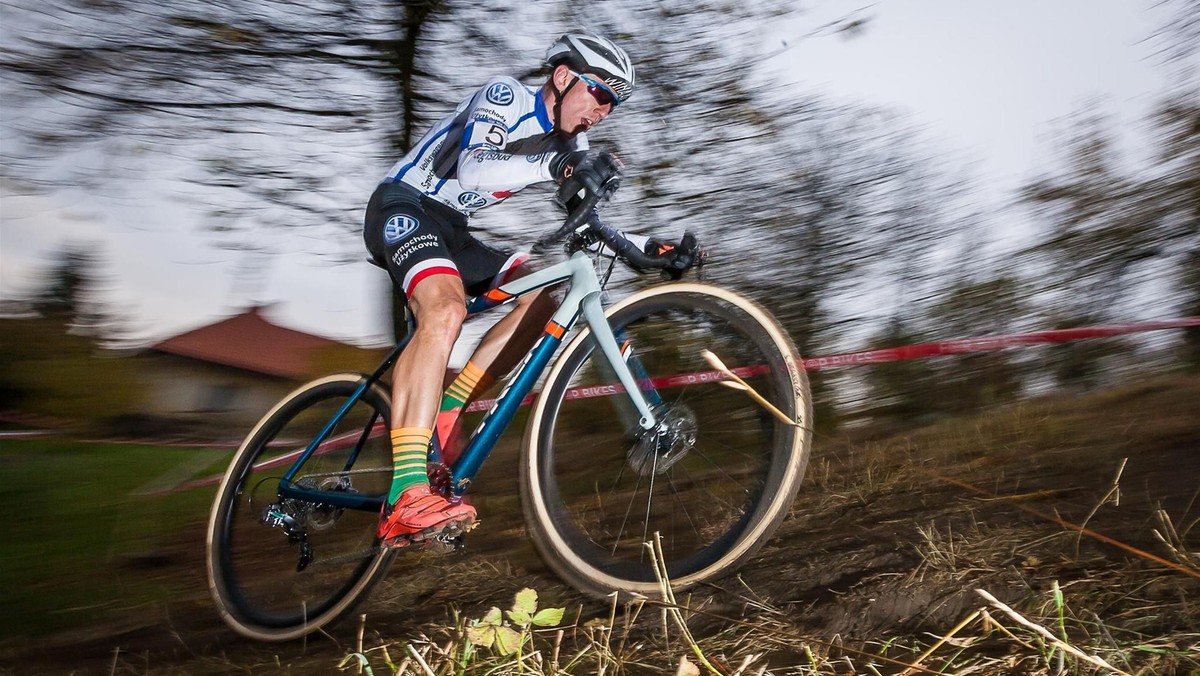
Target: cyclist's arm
(483, 162)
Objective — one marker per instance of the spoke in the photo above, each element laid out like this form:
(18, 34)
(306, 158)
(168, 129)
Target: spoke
(692, 478)
(602, 500)
(720, 468)
(708, 437)
(725, 511)
(739, 485)
(617, 481)
(628, 509)
(682, 391)
(649, 498)
(682, 505)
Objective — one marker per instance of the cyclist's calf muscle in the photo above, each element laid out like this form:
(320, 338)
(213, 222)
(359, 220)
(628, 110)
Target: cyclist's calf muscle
(439, 305)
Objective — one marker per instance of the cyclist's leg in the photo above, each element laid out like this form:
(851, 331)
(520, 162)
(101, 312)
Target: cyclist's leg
(439, 306)
(411, 240)
(510, 339)
(504, 344)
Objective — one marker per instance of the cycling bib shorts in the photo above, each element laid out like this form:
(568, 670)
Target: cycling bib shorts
(416, 237)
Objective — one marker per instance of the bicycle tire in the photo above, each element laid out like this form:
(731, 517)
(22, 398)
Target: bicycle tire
(252, 565)
(712, 522)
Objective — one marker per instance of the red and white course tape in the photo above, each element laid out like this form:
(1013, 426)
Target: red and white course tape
(890, 354)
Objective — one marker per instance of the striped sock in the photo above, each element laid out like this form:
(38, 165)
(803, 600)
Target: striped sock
(471, 382)
(410, 451)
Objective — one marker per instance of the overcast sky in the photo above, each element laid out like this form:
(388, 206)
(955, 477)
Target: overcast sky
(990, 78)
(988, 82)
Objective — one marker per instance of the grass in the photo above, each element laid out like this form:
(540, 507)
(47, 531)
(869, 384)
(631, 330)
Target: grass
(1053, 634)
(1049, 636)
(79, 543)
(875, 572)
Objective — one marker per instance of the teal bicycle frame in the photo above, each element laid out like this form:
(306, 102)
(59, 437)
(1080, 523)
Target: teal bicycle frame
(583, 299)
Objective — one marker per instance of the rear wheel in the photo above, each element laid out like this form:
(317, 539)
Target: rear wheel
(280, 568)
(716, 476)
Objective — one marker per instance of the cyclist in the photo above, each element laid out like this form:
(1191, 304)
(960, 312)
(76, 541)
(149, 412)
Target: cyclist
(502, 138)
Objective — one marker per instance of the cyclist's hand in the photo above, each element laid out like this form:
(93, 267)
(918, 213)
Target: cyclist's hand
(582, 173)
(563, 164)
(679, 257)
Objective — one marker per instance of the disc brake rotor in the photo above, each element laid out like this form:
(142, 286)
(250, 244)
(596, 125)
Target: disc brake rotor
(660, 447)
(321, 517)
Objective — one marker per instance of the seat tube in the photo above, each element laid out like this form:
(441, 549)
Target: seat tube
(593, 314)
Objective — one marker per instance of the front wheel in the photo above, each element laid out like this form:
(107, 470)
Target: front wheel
(715, 477)
(281, 566)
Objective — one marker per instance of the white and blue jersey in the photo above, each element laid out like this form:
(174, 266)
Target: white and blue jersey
(495, 143)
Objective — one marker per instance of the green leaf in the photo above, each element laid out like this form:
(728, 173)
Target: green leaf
(525, 601)
(483, 635)
(492, 617)
(507, 640)
(548, 617)
(524, 605)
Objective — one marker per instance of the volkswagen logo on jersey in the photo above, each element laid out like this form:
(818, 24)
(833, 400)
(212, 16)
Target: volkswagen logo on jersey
(471, 200)
(399, 227)
(500, 94)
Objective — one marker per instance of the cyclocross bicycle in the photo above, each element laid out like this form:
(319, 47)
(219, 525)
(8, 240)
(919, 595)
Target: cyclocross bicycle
(681, 410)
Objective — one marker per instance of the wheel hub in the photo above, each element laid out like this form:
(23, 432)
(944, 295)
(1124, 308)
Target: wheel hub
(660, 447)
(322, 516)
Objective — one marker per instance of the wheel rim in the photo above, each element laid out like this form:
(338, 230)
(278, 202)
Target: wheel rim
(603, 504)
(255, 564)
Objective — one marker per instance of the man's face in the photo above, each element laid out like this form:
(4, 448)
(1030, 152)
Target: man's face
(581, 109)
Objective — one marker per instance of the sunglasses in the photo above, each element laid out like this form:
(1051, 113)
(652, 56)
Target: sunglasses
(603, 94)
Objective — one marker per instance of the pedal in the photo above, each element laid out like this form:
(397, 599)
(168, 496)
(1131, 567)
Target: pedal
(444, 541)
(445, 545)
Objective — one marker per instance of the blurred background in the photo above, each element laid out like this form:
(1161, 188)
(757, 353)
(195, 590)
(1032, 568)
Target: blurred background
(182, 187)
(183, 184)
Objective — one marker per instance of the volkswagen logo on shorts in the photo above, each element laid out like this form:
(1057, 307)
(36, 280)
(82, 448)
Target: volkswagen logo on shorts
(399, 227)
(500, 94)
(471, 200)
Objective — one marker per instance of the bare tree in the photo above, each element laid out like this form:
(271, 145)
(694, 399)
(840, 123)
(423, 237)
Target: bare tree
(288, 114)
(245, 92)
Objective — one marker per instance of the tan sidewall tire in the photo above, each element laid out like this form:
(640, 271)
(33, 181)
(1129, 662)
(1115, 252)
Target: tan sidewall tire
(376, 570)
(586, 577)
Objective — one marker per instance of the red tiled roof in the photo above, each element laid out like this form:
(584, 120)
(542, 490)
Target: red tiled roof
(248, 341)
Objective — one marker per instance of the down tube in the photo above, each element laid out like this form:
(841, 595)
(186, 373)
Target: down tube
(504, 409)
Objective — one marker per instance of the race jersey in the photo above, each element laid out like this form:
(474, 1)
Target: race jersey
(495, 143)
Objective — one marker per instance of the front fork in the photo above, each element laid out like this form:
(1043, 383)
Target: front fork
(593, 314)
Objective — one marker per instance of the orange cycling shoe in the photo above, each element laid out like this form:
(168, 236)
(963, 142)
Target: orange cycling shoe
(419, 514)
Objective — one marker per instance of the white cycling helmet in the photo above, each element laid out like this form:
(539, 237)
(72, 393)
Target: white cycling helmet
(593, 54)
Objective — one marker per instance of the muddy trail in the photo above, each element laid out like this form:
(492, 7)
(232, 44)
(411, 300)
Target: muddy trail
(890, 537)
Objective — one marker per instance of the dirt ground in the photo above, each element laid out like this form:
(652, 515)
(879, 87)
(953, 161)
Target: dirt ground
(888, 539)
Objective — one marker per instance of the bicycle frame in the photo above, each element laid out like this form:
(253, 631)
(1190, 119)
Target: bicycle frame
(582, 300)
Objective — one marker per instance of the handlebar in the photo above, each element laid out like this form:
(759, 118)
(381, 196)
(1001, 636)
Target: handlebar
(584, 214)
(576, 218)
(626, 249)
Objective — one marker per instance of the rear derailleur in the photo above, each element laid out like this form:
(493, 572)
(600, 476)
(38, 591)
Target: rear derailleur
(283, 515)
